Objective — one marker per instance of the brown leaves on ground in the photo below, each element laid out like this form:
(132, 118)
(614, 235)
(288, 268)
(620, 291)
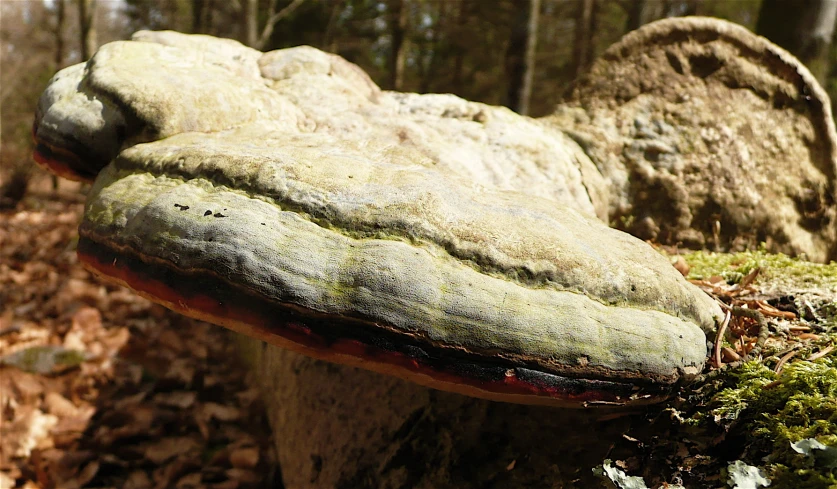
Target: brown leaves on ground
(741, 333)
(101, 388)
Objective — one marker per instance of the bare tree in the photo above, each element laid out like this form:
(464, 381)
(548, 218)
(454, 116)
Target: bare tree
(641, 12)
(251, 22)
(398, 28)
(583, 42)
(430, 49)
(87, 27)
(199, 14)
(26, 53)
(459, 43)
(531, 49)
(60, 19)
(516, 57)
(329, 38)
(804, 28)
(251, 12)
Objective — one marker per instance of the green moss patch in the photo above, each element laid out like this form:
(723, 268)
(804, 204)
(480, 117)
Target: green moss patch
(784, 423)
(766, 414)
(775, 269)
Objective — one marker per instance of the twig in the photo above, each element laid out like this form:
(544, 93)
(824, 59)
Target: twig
(764, 331)
(782, 361)
(716, 350)
(825, 351)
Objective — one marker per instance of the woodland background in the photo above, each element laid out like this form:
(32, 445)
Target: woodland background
(520, 53)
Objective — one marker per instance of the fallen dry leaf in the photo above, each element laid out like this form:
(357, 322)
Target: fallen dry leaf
(168, 448)
(87, 473)
(138, 479)
(243, 476)
(59, 405)
(178, 399)
(189, 481)
(220, 412)
(30, 427)
(245, 458)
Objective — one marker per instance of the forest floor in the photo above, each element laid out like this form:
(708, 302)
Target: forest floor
(102, 388)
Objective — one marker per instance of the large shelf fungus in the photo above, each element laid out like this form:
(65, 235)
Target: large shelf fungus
(394, 267)
(329, 238)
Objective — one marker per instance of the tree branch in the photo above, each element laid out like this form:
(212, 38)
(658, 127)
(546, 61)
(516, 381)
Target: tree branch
(274, 19)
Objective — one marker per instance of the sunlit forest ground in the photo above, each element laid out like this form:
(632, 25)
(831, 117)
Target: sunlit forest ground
(101, 388)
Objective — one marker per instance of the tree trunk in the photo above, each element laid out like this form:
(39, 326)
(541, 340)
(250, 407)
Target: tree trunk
(516, 58)
(273, 18)
(60, 19)
(804, 28)
(641, 12)
(430, 57)
(634, 11)
(398, 29)
(251, 25)
(337, 426)
(582, 49)
(198, 8)
(329, 43)
(87, 27)
(463, 9)
(529, 62)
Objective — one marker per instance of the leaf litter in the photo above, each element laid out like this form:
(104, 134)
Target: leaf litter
(102, 388)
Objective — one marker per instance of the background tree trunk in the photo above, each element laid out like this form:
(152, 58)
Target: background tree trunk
(198, 14)
(60, 19)
(641, 12)
(87, 28)
(458, 48)
(251, 22)
(584, 30)
(530, 60)
(398, 29)
(515, 58)
(804, 28)
(273, 18)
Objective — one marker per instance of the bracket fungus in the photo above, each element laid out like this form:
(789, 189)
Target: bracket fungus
(450, 243)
